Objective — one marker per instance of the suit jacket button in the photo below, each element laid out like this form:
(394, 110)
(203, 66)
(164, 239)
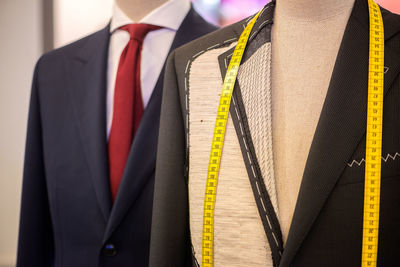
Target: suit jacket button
(110, 250)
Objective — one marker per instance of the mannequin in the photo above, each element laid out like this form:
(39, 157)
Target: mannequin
(265, 117)
(137, 9)
(82, 221)
(306, 36)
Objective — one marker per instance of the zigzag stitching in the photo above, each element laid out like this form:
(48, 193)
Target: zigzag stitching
(385, 159)
(356, 162)
(390, 156)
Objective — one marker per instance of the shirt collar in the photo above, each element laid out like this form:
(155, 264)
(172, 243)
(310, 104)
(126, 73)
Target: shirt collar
(169, 15)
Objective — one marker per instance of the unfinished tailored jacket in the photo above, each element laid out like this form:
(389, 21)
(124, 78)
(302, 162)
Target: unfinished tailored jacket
(326, 229)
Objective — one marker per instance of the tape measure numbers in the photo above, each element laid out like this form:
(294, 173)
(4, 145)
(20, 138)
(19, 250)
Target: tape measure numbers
(217, 144)
(373, 146)
(373, 151)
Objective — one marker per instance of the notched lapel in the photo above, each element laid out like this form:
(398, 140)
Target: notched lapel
(87, 83)
(341, 125)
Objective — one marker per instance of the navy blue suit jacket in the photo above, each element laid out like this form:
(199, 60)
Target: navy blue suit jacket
(67, 218)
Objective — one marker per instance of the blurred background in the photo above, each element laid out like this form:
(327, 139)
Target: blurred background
(28, 29)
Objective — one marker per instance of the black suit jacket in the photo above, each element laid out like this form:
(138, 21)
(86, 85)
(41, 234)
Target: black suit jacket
(326, 229)
(67, 218)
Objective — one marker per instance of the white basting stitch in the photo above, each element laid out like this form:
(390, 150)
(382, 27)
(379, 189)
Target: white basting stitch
(259, 27)
(237, 114)
(254, 33)
(262, 11)
(251, 17)
(269, 222)
(187, 142)
(262, 24)
(187, 67)
(276, 240)
(258, 188)
(187, 121)
(211, 47)
(226, 64)
(245, 144)
(248, 19)
(254, 174)
(248, 155)
(230, 40)
(252, 169)
(386, 69)
(187, 108)
(241, 130)
(262, 203)
(199, 53)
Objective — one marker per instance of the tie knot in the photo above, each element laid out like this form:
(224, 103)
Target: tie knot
(139, 31)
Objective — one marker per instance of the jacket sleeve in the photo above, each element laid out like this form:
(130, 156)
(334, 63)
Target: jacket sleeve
(35, 243)
(170, 245)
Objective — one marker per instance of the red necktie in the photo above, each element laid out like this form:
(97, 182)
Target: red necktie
(128, 104)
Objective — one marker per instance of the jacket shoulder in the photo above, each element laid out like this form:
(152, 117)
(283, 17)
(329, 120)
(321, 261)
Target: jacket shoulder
(199, 26)
(225, 35)
(216, 39)
(391, 23)
(390, 18)
(75, 49)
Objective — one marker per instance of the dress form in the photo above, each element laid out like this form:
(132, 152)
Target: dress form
(306, 37)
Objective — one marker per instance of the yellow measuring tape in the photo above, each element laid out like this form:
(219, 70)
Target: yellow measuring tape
(373, 146)
(373, 151)
(217, 144)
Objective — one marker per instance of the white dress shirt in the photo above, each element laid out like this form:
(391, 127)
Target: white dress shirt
(156, 46)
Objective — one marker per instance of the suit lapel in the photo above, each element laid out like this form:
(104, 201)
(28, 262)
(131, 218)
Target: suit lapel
(142, 158)
(87, 82)
(341, 126)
